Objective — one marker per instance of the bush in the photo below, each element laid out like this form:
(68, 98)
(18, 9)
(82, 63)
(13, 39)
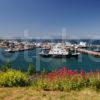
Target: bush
(58, 84)
(13, 78)
(31, 70)
(66, 85)
(6, 67)
(95, 83)
(41, 83)
(67, 80)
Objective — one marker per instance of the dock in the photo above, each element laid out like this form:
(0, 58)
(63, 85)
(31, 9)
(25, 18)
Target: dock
(89, 52)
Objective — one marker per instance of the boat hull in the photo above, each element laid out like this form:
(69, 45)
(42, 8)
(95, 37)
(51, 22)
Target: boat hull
(59, 56)
(13, 51)
(45, 55)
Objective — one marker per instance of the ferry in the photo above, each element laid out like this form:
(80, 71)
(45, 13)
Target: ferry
(58, 51)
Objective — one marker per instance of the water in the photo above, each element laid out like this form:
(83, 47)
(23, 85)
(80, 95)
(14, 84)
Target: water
(21, 60)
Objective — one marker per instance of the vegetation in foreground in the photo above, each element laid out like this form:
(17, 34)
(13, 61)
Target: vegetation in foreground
(58, 84)
(67, 80)
(61, 80)
(13, 78)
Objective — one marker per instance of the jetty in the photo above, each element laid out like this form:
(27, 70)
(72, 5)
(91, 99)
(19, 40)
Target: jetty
(89, 52)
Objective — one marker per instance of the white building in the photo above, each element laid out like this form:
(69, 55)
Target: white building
(83, 44)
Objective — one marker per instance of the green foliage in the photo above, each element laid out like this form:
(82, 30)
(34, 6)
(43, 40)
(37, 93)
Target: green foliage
(67, 84)
(58, 85)
(95, 83)
(46, 82)
(45, 86)
(41, 83)
(6, 67)
(44, 71)
(13, 78)
(31, 69)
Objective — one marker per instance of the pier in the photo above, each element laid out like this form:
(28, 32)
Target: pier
(89, 52)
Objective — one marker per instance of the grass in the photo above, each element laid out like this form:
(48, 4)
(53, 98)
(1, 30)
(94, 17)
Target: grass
(31, 94)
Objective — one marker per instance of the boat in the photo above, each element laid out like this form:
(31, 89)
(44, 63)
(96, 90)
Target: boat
(58, 51)
(45, 52)
(11, 50)
(8, 50)
(97, 50)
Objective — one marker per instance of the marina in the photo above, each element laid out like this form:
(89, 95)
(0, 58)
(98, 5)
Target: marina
(50, 55)
(65, 49)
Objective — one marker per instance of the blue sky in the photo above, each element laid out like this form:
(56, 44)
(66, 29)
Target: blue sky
(47, 18)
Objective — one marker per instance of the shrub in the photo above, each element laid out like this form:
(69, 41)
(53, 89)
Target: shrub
(41, 84)
(31, 70)
(6, 67)
(59, 85)
(95, 83)
(67, 80)
(13, 78)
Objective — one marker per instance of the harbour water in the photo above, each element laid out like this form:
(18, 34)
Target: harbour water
(21, 60)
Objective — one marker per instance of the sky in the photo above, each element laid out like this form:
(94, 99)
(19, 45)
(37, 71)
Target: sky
(50, 18)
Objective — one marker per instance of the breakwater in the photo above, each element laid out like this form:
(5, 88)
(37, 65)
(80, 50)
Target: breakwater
(89, 52)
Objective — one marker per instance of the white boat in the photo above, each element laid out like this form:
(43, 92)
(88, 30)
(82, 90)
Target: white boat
(58, 50)
(97, 50)
(8, 50)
